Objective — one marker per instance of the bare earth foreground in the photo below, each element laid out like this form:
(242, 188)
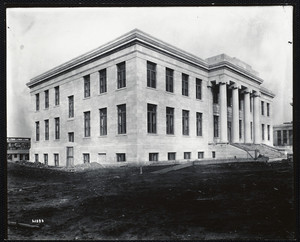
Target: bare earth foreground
(224, 201)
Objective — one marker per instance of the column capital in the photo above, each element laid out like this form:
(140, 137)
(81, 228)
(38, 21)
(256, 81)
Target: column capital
(235, 86)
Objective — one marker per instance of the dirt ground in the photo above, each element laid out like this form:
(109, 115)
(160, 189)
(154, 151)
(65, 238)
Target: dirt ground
(224, 201)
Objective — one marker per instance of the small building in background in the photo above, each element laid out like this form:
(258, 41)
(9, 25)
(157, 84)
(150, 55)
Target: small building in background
(18, 148)
(283, 136)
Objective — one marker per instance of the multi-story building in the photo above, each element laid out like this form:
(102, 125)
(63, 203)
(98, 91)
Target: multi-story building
(18, 148)
(138, 99)
(283, 134)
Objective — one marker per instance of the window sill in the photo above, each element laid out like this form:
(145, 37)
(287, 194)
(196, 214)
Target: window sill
(170, 93)
(56, 140)
(186, 96)
(70, 119)
(120, 89)
(186, 136)
(152, 134)
(46, 108)
(102, 136)
(102, 93)
(170, 135)
(86, 98)
(56, 106)
(121, 135)
(151, 88)
(87, 137)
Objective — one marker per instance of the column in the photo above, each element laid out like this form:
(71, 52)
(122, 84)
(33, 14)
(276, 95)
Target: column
(247, 117)
(235, 115)
(256, 123)
(223, 112)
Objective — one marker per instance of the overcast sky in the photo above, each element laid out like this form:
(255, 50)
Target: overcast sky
(40, 39)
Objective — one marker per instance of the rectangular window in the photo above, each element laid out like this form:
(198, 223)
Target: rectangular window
(284, 137)
(56, 95)
(121, 157)
(268, 109)
(290, 137)
(46, 99)
(151, 109)
(47, 129)
(215, 93)
(171, 156)
(121, 75)
(37, 131)
(153, 156)
(46, 159)
(71, 106)
(56, 159)
(213, 154)
(103, 121)
(170, 120)
(251, 130)
(185, 122)
(263, 131)
(268, 128)
(185, 84)
(87, 124)
(102, 81)
(71, 136)
(200, 155)
(240, 129)
(279, 137)
(187, 155)
(151, 74)
(36, 157)
(56, 128)
(37, 102)
(198, 88)
(87, 88)
(199, 123)
(216, 126)
(262, 108)
(86, 158)
(169, 80)
(122, 119)
(251, 100)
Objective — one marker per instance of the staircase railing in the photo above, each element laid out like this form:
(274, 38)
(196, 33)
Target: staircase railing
(242, 148)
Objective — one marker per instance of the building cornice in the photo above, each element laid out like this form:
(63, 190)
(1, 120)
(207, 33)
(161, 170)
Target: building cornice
(267, 92)
(133, 37)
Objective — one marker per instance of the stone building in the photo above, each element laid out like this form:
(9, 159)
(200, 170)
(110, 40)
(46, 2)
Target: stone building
(283, 134)
(18, 148)
(138, 99)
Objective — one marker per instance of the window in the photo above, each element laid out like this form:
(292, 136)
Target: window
(103, 121)
(47, 129)
(169, 80)
(251, 100)
(240, 101)
(56, 95)
(37, 131)
(268, 128)
(290, 137)
(121, 75)
(46, 159)
(185, 122)
(86, 158)
(121, 157)
(268, 109)
(71, 136)
(151, 109)
(151, 74)
(56, 159)
(102, 81)
(71, 106)
(37, 102)
(153, 156)
(215, 93)
(284, 137)
(185, 84)
(122, 119)
(36, 157)
(200, 155)
(263, 131)
(251, 130)
(87, 124)
(56, 128)
(87, 90)
(47, 99)
(198, 88)
(187, 155)
(216, 126)
(229, 97)
(171, 156)
(262, 108)
(240, 129)
(170, 120)
(213, 154)
(279, 137)
(199, 123)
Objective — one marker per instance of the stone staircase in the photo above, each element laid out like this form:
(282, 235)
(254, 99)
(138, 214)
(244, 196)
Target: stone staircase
(263, 149)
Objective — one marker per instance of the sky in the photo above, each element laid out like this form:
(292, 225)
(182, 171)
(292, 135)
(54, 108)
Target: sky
(39, 39)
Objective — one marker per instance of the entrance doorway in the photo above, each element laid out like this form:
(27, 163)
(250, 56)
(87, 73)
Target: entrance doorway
(101, 158)
(229, 131)
(70, 157)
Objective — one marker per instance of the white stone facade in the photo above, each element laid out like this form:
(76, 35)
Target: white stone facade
(136, 48)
